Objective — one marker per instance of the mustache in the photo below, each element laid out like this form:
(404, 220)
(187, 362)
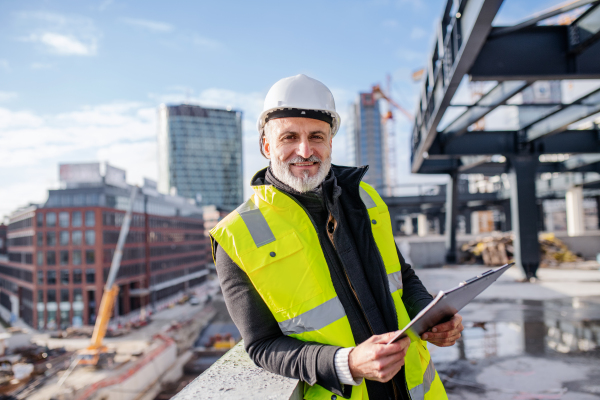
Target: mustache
(299, 159)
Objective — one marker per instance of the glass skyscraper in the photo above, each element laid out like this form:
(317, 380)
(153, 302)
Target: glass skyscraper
(200, 154)
(366, 139)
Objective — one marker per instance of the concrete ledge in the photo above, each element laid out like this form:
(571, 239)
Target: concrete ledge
(235, 376)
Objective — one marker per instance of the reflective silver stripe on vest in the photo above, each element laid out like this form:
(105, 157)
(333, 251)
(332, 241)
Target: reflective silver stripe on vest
(366, 198)
(395, 281)
(315, 319)
(419, 391)
(256, 223)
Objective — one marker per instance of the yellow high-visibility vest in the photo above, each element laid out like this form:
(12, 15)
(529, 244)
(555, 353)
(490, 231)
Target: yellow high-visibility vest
(273, 240)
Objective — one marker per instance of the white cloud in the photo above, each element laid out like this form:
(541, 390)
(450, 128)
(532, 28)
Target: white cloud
(122, 133)
(64, 45)
(155, 26)
(6, 96)
(5, 65)
(60, 34)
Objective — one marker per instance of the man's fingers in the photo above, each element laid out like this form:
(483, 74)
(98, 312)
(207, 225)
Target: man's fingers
(387, 367)
(448, 325)
(446, 341)
(441, 335)
(384, 338)
(384, 350)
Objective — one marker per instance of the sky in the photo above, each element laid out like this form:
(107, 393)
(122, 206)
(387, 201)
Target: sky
(80, 81)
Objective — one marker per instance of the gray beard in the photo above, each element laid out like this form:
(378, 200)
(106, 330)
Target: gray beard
(281, 170)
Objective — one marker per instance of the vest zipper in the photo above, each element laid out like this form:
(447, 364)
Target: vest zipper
(347, 277)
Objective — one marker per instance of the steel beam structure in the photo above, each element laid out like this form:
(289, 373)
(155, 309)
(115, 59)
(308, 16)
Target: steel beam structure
(494, 98)
(508, 143)
(535, 53)
(580, 161)
(540, 17)
(460, 39)
(584, 107)
(451, 224)
(585, 30)
(524, 213)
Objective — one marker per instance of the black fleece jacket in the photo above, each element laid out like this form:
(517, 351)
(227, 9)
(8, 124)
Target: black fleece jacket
(314, 362)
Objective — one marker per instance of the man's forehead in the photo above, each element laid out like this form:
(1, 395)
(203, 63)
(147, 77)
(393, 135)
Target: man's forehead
(298, 124)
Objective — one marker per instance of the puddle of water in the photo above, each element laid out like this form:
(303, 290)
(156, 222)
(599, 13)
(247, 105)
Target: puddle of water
(507, 328)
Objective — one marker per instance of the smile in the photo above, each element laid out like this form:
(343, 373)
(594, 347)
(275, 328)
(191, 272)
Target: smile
(304, 164)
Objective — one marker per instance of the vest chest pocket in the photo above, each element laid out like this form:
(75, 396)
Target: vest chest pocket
(281, 274)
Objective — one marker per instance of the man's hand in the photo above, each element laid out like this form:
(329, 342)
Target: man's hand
(375, 360)
(446, 334)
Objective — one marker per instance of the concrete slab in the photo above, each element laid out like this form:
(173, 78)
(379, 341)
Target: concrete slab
(523, 340)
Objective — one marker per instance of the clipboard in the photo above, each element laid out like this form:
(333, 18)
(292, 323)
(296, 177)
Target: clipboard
(447, 303)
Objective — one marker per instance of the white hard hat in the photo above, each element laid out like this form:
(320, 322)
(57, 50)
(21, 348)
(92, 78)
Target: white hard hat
(299, 96)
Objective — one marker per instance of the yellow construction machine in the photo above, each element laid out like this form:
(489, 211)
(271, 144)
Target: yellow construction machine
(97, 354)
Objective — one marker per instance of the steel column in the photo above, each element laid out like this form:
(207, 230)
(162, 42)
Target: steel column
(598, 210)
(451, 218)
(524, 212)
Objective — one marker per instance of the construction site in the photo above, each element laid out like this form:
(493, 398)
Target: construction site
(509, 114)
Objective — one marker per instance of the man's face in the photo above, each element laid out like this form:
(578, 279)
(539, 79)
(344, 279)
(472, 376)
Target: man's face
(299, 150)
(298, 137)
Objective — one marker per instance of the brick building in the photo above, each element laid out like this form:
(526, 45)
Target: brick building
(59, 253)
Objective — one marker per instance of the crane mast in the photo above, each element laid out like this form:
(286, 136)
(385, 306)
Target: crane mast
(92, 355)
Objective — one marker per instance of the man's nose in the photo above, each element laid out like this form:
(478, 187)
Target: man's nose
(304, 148)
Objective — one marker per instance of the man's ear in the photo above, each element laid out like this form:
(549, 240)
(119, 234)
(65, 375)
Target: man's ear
(266, 147)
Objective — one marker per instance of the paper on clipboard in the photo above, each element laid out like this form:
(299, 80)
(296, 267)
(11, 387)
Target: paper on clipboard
(447, 303)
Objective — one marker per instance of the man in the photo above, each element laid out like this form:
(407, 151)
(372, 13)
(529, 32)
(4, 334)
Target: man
(309, 268)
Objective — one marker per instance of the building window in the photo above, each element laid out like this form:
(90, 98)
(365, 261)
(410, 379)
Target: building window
(40, 220)
(76, 276)
(51, 293)
(51, 257)
(77, 296)
(40, 258)
(64, 276)
(90, 257)
(90, 276)
(50, 238)
(76, 218)
(40, 238)
(63, 219)
(50, 219)
(40, 277)
(51, 277)
(64, 295)
(90, 218)
(64, 238)
(76, 238)
(64, 257)
(76, 257)
(90, 238)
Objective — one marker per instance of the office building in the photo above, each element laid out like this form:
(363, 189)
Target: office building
(366, 139)
(60, 252)
(3, 231)
(200, 154)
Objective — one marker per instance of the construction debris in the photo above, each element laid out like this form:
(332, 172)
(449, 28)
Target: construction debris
(498, 250)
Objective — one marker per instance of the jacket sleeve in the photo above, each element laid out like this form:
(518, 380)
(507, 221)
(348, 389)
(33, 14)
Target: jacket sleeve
(266, 345)
(414, 295)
